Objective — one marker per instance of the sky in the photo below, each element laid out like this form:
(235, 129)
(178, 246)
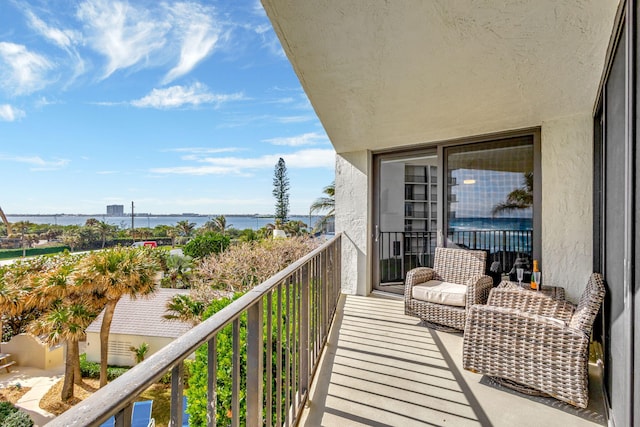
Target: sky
(175, 106)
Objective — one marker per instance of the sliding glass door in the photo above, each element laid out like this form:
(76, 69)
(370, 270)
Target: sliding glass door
(473, 194)
(407, 216)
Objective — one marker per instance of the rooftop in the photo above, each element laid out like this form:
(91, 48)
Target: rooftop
(144, 316)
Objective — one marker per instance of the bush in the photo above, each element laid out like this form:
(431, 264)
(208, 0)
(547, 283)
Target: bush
(92, 369)
(17, 253)
(197, 391)
(6, 409)
(10, 416)
(245, 265)
(17, 419)
(206, 244)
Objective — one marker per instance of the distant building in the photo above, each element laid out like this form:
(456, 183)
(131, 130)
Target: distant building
(115, 210)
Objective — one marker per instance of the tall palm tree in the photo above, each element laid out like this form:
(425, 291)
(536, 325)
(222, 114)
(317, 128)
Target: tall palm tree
(217, 224)
(67, 310)
(105, 230)
(185, 309)
(519, 198)
(115, 273)
(326, 204)
(66, 321)
(295, 228)
(185, 227)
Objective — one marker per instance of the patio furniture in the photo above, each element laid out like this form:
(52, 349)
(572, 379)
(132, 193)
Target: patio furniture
(441, 295)
(534, 341)
(5, 363)
(141, 414)
(556, 292)
(185, 415)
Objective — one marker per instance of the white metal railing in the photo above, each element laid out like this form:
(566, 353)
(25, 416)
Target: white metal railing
(287, 316)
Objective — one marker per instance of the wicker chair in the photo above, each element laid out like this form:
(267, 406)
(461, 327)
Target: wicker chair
(534, 341)
(441, 295)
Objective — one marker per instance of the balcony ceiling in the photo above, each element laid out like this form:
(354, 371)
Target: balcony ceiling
(383, 74)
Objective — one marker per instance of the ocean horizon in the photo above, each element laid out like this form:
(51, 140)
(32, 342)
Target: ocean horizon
(144, 220)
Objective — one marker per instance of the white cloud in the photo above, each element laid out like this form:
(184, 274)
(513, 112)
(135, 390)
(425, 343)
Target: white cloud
(62, 38)
(37, 162)
(22, 71)
(303, 159)
(178, 96)
(124, 34)
(197, 33)
(10, 114)
(311, 138)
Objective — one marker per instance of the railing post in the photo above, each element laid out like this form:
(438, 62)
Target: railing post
(177, 387)
(212, 378)
(254, 364)
(235, 375)
(123, 418)
(304, 330)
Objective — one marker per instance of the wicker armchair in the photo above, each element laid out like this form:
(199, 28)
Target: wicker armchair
(441, 295)
(534, 340)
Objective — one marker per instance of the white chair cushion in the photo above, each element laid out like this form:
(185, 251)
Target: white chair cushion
(441, 292)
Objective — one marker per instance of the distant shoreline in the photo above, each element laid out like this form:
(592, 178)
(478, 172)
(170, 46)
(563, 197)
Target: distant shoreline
(144, 215)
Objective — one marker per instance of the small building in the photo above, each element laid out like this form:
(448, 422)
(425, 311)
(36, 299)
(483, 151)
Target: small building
(115, 210)
(136, 321)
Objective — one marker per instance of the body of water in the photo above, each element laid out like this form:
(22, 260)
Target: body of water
(240, 222)
(487, 224)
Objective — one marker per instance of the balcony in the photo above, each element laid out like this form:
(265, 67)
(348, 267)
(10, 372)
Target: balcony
(340, 360)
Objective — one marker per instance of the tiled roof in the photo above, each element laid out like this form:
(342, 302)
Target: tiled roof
(144, 316)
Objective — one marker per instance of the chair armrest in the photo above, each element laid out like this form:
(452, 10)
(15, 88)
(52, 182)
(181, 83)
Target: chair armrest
(416, 276)
(419, 275)
(531, 302)
(478, 288)
(501, 323)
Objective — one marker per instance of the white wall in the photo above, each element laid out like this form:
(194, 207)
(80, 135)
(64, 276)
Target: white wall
(27, 350)
(119, 353)
(352, 214)
(567, 203)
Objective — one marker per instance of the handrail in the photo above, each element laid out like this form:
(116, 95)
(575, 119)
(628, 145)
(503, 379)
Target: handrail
(118, 396)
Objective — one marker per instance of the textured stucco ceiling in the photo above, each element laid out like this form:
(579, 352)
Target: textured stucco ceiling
(382, 74)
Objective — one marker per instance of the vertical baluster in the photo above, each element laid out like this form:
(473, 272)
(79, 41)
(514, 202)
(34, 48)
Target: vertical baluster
(255, 345)
(295, 331)
(287, 370)
(235, 377)
(279, 360)
(269, 359)
(304, 331)
(123, 418)
(177, 388)
(212, 379)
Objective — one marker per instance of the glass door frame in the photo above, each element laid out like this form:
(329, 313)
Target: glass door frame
(439, 148)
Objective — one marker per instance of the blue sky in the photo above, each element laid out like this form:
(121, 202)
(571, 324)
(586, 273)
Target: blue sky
(176, 106)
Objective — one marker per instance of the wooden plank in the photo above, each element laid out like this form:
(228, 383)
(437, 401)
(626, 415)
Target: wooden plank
(7, 365)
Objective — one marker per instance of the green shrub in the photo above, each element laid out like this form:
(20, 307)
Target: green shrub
(6, 409)
(17, 253)
(197, 391)
(206, 244)
(92, 369)
(17, 419)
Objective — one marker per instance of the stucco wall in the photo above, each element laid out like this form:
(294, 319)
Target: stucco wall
(121, 356)
(567, 197)
(27, 350)
(352, 210)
